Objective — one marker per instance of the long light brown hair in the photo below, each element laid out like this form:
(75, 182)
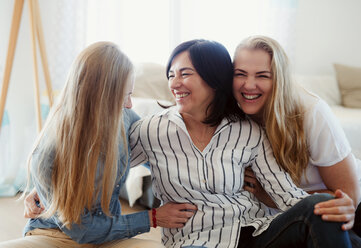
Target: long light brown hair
(85, 129)
(283, 113)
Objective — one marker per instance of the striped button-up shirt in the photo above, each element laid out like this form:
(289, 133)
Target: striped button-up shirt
(211, 179)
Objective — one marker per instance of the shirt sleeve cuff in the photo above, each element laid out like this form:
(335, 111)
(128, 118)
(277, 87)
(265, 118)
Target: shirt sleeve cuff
(138, 223)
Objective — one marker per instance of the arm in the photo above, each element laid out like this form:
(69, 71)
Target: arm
(96, 227)
(251, 184)
(99, 228)
(342, 176)
(341, 179)
(330, 152)
(276, 182)
(137, 155)
(336, 177)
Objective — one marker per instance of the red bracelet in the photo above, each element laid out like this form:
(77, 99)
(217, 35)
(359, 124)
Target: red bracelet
(154, 212)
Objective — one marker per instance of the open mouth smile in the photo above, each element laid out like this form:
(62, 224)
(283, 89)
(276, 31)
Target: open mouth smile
(251, 96)
(181, 95)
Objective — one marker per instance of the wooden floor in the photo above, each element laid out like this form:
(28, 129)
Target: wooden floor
(12, 221)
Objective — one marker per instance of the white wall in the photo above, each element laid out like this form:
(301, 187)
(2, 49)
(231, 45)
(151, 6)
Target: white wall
(328, 31)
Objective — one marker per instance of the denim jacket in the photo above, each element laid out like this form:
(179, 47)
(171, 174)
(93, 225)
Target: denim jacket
(96, 227)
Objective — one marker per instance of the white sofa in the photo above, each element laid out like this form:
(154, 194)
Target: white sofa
(327, 88)
(151, 85)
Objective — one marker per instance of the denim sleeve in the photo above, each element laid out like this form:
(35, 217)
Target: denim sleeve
(99, 228)
(130, 117)
(42, 171)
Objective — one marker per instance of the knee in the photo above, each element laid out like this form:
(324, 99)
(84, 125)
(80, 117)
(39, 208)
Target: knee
(306, 206)
(312, 200)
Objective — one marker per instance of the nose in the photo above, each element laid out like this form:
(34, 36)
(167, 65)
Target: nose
(128, 103)
(250, 83)
(174, 82)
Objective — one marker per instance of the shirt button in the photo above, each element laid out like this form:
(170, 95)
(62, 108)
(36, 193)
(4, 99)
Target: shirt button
(204, 181)
(100, 213)
(117, 186)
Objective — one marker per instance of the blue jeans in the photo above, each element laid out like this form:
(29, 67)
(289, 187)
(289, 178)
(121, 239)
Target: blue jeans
(357, 225)
(298, 227)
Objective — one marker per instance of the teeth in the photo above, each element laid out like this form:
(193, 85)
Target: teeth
(250, 97)
(177, 95)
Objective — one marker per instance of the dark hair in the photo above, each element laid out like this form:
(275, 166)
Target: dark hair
(214, 65)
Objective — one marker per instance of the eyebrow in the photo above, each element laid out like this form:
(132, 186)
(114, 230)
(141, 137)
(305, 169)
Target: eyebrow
(183, 69)
(259, 72)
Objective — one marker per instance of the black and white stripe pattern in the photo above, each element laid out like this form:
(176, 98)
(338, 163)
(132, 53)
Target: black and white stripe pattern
(212, 179)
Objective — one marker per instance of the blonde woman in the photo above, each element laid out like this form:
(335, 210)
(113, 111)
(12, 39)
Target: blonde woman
(306, 138)
(81, 159)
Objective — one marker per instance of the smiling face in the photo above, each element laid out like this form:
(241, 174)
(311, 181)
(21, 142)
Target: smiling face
(191, 92)
(252, 80)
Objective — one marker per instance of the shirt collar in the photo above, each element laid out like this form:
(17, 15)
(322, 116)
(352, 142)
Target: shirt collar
(176, 118)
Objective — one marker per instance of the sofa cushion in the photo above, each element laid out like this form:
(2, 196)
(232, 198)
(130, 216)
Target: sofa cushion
(151, 82)
(147, 106)
(349, 81)
(325, 86)
(350, 120)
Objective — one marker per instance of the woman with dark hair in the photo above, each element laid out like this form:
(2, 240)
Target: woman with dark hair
(211, 61)
(199, 149)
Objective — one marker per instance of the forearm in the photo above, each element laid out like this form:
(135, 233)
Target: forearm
(276, 182)
(342, 176)
(99, 228)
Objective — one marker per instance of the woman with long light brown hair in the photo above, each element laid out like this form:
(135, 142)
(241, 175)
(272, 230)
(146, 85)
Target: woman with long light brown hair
(81, 157)
(306, 139)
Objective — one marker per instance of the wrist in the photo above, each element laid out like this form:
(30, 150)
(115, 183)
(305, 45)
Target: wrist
(154, 217)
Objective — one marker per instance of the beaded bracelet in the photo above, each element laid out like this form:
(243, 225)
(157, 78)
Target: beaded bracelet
(154, 212)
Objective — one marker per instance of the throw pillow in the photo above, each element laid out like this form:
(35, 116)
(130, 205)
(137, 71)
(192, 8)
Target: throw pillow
(349, 81)
(151, 82)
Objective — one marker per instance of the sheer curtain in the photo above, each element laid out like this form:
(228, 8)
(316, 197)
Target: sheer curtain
(149, 30)
(231, 21)
(146, 31)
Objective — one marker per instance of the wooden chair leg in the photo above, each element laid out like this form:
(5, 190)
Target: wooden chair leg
(14, 31)
(33, 27)
(42, 49)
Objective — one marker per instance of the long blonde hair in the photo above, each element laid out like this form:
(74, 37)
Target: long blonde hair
(283, 113)
(83, 130)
